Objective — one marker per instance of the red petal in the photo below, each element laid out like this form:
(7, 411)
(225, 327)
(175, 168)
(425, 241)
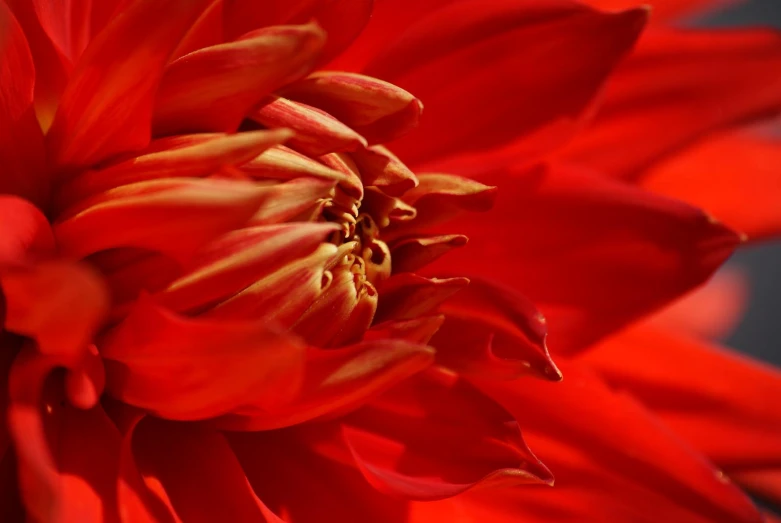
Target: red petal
(119, 74)
(67, 24)
(434, 436)
(60, 305)
(21, 140)
(220, 366)
(339, 380)
(376, 110)
(174, 216)
(722, 175)
(664, 10)
(26, 232)
(296, 482)
(381, 168)
(491, 330)
(67, 457)
(716, 400)
(188, 156)
(317, 132)
(213, 89)
(591, 253)
(568, 48)
(412, 254)
(613, 460)
(405, 296)
(675, 88)
(193, 470)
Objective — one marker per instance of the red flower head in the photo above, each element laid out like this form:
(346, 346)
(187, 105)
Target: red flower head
(245, 279)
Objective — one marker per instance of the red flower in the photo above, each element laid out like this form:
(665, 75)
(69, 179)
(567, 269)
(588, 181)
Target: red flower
(225, 299)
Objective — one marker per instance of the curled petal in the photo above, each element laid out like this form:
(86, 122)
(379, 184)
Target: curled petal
(213, 89)
(188, 156)
(317, 132)
(405, 296)
(173, 216)
(287, 200)
(435, 436)
(494, 331)
(221, 366)
(118, 74)
(282, 163)
(412, 254)
(336, 381)
(377, 110)
(381, 168)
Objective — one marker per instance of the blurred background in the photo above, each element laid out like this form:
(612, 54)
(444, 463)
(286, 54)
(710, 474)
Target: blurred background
(759, 334)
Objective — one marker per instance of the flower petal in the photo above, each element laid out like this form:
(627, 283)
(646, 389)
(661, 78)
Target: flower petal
(412, 254)
(492, 331)
(21, 140)
(336, 381)
(434, 436)
(675, 88)
(405, 296)
(174, 216)
(664, 11)
(118, 74)
(721, 175)
(591, 253)
(715, 399)
(283, 163)
(614, 461)
(213, 89)
(381, 168)
(26, 232)
(377, 110)
(568, 48)
(220, 366)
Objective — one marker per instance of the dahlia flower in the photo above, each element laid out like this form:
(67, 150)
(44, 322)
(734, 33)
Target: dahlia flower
(245, 278)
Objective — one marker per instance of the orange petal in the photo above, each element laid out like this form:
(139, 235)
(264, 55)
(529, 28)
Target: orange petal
(434, 436)
(675, 88)
(593, 254)
(530, 101)
(492, 331)
(21, 140)
(381, 168)
(721, 175)
(221, 366)
(187, 156)
(213, 89)
(282, 163)
(336, 381)
(118, 74)
(173, 216)
(376, 110)
(317, 132)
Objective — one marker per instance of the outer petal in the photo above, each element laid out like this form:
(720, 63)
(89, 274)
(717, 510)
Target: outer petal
(735, 177)
(118, 75)
(26, 232)
(21, 141)
(676, 87)
(591, 253)
(664, 10)
(718, 401)
(567, 47)
(213, 89)
(613, 460)
(434, 436)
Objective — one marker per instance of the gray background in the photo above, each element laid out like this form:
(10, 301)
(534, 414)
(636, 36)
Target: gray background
(760, 332)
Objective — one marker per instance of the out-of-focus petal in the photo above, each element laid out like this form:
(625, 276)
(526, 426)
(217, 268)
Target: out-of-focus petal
(591, 253)
(26, 232)
(21, 140)
(434, 436)
(612, 459)
(663, 10)
(532, 99)
(189, 471)
(721, 402)
(72, 480)
(676, 87)
(294, 480)
(213, 89)
(118, 75)
(735, 177)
